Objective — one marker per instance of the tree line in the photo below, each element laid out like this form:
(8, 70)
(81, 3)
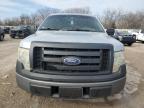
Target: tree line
(123, 20)
(110, 18)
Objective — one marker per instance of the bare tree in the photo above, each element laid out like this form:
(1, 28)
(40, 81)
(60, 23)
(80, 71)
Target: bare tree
(43, 13)
(84, 10)
(1, 23)
(123, 20)
(110, 18)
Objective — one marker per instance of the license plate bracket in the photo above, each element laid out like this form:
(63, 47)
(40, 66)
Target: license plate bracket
(70, 92)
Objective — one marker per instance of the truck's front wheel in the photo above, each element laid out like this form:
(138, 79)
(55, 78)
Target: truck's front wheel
(13, 37)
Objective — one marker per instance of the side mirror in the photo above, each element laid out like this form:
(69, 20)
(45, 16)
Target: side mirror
(110, 32)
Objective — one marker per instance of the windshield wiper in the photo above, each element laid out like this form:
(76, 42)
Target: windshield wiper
(86, 30)
(48, 28)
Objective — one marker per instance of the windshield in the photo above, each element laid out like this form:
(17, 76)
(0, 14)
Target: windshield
(72, 23)
(123, 33)
(18, 27)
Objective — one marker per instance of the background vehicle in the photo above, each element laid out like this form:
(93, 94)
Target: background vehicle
(71, 56)
(21, 31)
(139, 35)
(6, 30)
(1, 34)
(125, 37)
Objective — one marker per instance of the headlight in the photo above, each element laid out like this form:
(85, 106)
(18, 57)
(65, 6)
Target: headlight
(118, 61)
(23, 57)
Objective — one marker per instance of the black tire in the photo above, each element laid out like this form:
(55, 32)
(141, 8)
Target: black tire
(1, 37)
(142, 41)
(130, 44)
(13, 37)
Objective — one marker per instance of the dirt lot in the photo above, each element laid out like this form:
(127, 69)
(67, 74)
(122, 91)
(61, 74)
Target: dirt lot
(13, 97)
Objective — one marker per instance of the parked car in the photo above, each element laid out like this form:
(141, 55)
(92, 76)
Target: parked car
(125, 37)
(21, 31)
(1, 34)
(6, 30)
(139, 35)
(71, 56)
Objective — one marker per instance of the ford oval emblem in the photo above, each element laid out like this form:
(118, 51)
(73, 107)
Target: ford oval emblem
(71, 61)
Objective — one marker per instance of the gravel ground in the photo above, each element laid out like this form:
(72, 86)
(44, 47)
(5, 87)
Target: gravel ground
(12, 96)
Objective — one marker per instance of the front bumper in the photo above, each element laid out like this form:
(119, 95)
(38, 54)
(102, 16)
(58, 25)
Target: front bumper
(74, 87)
(128, 40)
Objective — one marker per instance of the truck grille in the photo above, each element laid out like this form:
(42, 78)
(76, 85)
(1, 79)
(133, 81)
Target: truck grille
(49, 60)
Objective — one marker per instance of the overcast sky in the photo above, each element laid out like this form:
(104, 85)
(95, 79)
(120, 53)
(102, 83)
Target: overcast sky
(12, 8)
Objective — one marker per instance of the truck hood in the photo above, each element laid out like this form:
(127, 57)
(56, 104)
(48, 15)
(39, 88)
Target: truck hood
(71, 37)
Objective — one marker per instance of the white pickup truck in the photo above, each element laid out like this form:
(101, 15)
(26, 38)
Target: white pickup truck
(139, 35)
(71, 56)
